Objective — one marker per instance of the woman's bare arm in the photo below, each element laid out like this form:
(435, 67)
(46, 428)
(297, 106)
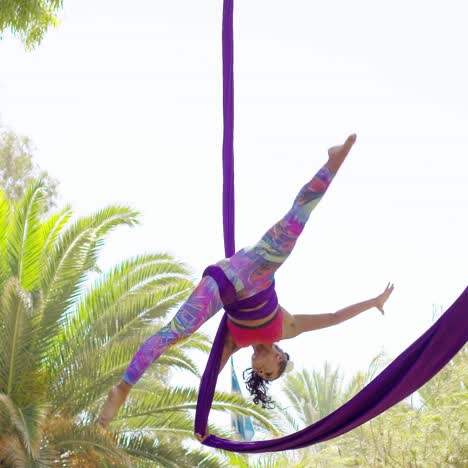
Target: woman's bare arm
(228, 350)
(294, 325)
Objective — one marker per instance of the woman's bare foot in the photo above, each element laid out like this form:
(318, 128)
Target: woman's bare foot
(337, 154)
(115, 400)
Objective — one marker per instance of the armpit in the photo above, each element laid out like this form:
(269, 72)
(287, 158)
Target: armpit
(289, 325)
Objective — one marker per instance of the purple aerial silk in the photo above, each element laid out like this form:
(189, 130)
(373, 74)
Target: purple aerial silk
(210, 376)
(408, 372)
(228, 136)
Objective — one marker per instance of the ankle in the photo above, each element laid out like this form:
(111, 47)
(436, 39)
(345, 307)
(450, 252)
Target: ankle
(333, 165)
(124, 387)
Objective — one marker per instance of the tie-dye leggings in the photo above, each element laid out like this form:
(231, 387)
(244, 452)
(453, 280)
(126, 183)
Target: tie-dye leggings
(250, 270)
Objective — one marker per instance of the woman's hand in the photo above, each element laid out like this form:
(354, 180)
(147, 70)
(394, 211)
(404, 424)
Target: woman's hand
(202, 438)
(381, 299)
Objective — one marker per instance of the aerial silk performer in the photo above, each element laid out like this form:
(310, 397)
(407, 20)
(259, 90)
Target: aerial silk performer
(243, 284)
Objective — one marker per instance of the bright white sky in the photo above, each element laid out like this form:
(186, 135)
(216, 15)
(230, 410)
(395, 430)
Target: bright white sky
(124, 104)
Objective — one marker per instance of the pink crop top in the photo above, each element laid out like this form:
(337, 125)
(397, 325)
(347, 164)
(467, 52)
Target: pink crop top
(270, 332)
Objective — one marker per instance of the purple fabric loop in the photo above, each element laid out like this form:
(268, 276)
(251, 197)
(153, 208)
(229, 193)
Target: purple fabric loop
(409, 371)
(255, 301)
(267, 308)
(226, 289)
(413, 368)
(234, 308)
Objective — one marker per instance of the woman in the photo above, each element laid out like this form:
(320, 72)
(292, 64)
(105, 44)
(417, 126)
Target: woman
(247, 275)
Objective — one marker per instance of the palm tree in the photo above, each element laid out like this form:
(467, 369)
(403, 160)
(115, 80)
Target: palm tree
(66, 338)
(311, 395)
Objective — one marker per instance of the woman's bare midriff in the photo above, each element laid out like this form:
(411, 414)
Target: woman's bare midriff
(255, 323)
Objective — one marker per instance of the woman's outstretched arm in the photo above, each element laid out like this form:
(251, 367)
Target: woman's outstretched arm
(229, 349)
(297, 324)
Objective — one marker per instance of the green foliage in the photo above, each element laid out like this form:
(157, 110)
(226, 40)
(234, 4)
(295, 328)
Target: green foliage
(17, 170)
(29, 19)
(68, 332)
(313, 394)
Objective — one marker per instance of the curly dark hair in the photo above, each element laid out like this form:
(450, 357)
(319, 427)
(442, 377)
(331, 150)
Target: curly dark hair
(257, 386)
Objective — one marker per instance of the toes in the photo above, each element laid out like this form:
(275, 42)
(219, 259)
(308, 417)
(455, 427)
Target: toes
(351, 139)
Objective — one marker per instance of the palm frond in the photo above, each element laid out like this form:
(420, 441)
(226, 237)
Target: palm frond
(116, 316)
(23, 425)
(5, 213)
(202, 459)
(237, 404)
(19, 362)
(292, 422)
(127, 318)
(75, 253)
(361, 378)
(177, 359)
(328, 385)
(51, 229)
(199, 341)
(12, 453)
(313, 395)
(176, 424)
(10, 421)
(24, 243)
(143, 403)
(133, 293)
(300, 393)
(32, 418)
(88, 379)
(72, 439)
(145, 448)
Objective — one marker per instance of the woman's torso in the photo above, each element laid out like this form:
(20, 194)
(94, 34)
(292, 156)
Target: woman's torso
(250, 274)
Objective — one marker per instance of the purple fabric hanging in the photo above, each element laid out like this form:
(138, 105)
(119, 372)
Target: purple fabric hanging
(210, 376)
(413, 368)
(228, 137)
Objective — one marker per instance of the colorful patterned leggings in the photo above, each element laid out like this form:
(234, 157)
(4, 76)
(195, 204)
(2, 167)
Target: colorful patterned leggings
(250, 270)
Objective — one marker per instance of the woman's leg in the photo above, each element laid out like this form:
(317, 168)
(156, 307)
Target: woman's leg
(279, 241)
(202, 304)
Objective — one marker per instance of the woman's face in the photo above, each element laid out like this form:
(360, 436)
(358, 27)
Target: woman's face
(265, 362)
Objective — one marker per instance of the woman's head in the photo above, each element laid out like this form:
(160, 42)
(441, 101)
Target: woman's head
(268, 363)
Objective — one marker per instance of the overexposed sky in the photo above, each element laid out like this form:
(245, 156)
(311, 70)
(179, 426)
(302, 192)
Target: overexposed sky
(124, 104)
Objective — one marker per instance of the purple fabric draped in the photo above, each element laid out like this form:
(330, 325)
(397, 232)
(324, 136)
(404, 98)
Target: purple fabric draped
(409, 371)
